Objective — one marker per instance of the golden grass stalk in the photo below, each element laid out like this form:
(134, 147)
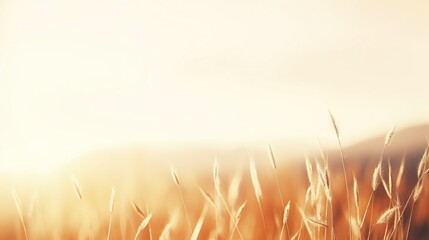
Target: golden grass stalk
(143, 225)
(255, 181)
(418, 188)
(233, 190)
(19, 209)
(376, 177)
(285, 217)
(199, 224)
(374, 185)
(309, 169)
(216, 178)
(240, 211)
(334, 124)
(356, 228)
(411, 218)
(258, 193)
(389, 136)
(387, 215)
(422, 164)
(302, 211)
(344, 171)
(137, 209)
(316, 222)
(305, 223)
(390, 177)
(111, 208)
(165, 234)
(356, 198)
(174, 175)
(131, 222)
(76, 187)
(324, 179)
(237, 220)
(400, 174)
(218, 194)
(272, 159)
(274, 166)
(385, 186)
(177, 182)
(216, 186)
(208, 197)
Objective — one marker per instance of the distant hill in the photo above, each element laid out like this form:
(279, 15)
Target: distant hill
(409, 141)
(116, 163)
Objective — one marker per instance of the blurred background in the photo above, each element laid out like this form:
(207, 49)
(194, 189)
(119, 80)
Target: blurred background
(78, 76)
(107, 84)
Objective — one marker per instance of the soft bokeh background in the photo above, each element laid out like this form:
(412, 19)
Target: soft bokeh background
(77, 76)
(113, 92)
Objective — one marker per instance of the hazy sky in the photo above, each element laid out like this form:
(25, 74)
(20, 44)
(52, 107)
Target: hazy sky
(81, 75)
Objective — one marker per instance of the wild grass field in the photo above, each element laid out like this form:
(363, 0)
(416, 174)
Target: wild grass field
(252, 197)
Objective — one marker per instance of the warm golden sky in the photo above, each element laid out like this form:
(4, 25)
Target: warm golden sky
(81, 75)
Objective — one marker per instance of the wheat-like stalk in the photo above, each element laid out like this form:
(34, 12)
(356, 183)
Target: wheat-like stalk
(177, 182)
(137, 209)
(258, 193)
(165, 233)
(400, 174)
(344, 171)
(384, 183)
(255, 181)
(237, 220)
(143, 225)
(389, 136)
(200, 221)
(111, 208)
(387, 215)
(217, 192)
(305, 223)
(284, 222)
(233, 190)
(76, 187)
(376, 177)
(19, 209)
(418, 188)
(274, 166)
(422, 164)
(208, 197)
(356, 198)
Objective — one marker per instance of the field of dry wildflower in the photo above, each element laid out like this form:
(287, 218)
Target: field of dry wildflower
(251, 197)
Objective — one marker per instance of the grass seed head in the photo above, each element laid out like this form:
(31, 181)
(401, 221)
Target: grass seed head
(389, 136)
(376, 177)
(174, 175)
(255, 181)
(286, 213)
(422, 164)
(400, 173)
(76, 187)
(112, 200)
(387, 215)
(273, 160)
(137, 209)
(334, 124)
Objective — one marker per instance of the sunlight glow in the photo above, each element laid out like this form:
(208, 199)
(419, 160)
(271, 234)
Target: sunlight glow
(76, 76)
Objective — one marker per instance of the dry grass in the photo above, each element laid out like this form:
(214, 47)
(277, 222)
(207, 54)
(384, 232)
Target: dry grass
(271, 200)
